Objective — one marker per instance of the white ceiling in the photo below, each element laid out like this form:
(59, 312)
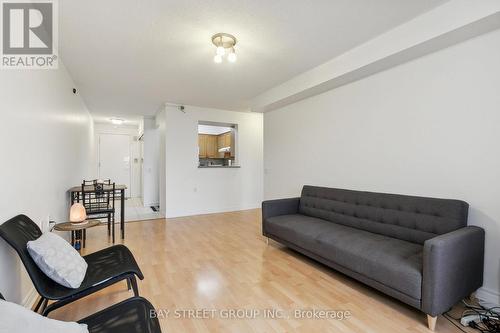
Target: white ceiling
(103, 118)
(129, 56)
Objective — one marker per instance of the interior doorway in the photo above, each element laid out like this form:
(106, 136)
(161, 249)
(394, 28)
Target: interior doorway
(128, 154)
(114, 159)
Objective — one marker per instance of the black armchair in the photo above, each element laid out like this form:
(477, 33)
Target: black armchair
(130, 316)
(105, 267)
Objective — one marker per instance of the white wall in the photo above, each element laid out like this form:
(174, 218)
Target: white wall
(151, 155)
(160, 120)
(429, 127)
(46, 143)
(191, 190)
(132, 132)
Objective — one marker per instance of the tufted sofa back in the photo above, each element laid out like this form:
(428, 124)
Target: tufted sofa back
(409, 218)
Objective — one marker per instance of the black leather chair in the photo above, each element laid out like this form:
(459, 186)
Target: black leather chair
(129, 316)
(105, 267)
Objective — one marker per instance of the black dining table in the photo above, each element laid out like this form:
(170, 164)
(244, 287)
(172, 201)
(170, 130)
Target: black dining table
(75, 194)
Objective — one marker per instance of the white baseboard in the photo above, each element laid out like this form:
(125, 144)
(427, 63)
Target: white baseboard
(183, 213)
(30, 299)
(488, 297)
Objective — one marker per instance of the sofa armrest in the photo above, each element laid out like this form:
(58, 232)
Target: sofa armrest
(452, 268)
(278, 207)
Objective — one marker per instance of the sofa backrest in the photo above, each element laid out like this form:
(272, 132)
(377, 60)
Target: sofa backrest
(410, 218)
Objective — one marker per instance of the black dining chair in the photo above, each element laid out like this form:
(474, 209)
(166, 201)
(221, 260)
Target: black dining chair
(105, 267)
(130, 316)
(98, 198)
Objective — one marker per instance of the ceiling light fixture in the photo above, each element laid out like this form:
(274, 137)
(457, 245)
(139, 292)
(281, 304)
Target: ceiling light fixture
(117, 121)
(225, 46)
(232, 55)
(217, 58)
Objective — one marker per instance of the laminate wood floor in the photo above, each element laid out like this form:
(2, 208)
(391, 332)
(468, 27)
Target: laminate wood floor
(220, 263)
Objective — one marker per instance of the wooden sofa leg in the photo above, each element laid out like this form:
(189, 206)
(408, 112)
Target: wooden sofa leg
(267, 240)
(431, 322)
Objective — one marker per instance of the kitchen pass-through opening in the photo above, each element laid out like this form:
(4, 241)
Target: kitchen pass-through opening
(217, 144)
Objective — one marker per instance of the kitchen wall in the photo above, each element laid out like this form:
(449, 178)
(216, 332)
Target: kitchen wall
(190, 190)
(430, 127)
(46, 140)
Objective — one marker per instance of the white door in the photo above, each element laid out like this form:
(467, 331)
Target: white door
(114, 159)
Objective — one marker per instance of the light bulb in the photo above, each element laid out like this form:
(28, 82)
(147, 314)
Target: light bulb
(221, 51)
(232, 57)
(218, 59)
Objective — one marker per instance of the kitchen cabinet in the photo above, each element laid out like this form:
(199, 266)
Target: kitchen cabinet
(212, 151)
(207, 145)
(224, 140)
(202, 145)
(220, 141)
(227, 139)
(220, 144)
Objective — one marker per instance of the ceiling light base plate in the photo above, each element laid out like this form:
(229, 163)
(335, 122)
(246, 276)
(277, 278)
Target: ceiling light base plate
(227, 41)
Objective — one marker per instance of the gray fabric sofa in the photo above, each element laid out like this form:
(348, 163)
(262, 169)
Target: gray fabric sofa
(418, 250)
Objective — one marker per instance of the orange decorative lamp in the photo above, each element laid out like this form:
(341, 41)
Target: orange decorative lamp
(77, 214)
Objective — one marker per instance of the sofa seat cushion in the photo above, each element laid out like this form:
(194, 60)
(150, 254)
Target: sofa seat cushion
(390, 261)
(298, 229)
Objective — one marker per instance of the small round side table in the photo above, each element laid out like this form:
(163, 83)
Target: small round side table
(78, 231)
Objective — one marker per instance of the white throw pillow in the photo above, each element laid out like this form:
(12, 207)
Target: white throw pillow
(17, 319)
(58, 260)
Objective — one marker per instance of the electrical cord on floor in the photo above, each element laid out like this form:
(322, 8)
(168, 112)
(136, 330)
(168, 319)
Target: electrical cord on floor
(489, 322)
(452, 320)
(489, 318)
